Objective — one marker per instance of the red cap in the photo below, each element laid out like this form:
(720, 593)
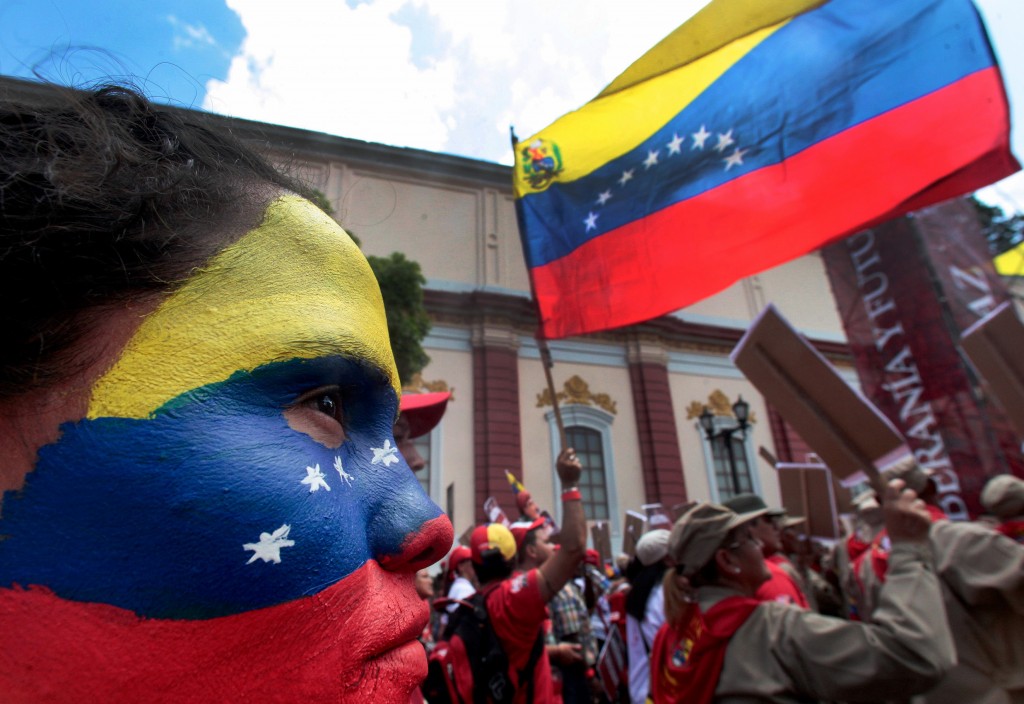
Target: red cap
(424, 411)
(592, 557)
(521, 528)
(459, 554)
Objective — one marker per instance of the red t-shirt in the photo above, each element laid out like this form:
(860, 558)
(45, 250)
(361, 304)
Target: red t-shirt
(780, 587)
(517, 613)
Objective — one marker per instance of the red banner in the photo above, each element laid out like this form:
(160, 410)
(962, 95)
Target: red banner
(905, 291)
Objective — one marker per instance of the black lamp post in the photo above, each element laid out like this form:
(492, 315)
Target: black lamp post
(741, 409)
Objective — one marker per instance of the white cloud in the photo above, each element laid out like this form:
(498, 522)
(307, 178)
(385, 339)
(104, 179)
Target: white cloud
(330, 68)
(188, 36)
(471, 69)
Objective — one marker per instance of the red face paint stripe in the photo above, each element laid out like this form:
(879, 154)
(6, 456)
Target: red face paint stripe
(354, 641)
(834, 186)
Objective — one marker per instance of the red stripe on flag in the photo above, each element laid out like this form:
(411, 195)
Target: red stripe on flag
(691, 250)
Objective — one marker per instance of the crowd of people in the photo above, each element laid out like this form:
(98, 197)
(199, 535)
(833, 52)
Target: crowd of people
(736, 602)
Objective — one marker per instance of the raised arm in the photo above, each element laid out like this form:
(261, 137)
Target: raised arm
(561, 567)
(905, 651)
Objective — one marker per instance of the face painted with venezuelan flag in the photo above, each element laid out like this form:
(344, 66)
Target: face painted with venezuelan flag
(232, 515)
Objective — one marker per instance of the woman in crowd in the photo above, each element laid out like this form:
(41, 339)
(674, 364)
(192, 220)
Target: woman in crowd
(721, 645)
(202, 498)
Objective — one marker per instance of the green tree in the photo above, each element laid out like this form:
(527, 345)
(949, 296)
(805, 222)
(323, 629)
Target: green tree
(1002, 232)
(401, 285)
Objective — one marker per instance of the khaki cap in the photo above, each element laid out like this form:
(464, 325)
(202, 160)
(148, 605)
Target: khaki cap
(1003, 496)
(700, 532)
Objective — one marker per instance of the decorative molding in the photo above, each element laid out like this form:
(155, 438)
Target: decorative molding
(719, 404)
(493, 333)
(646, 349)
(577, 391)
(419, 385)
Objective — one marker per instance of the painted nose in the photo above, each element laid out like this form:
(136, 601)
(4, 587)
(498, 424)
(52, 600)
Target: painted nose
(407, 530)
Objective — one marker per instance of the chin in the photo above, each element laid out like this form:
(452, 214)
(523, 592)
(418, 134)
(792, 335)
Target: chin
(355, 641)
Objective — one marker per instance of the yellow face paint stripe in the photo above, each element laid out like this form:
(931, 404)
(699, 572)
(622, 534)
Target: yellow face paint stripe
(609, 127)
(296, 287)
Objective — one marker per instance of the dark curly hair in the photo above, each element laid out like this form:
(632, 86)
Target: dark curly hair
(106, 197)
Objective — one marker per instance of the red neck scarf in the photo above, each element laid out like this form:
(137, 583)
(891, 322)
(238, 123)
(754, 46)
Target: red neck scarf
(687, 662)
(880, 551)
(1012, 529)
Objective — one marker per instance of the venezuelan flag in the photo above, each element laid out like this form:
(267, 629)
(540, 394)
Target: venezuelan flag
(753, 134)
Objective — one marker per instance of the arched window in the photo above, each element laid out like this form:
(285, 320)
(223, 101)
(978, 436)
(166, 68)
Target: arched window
(588, 431)
(588, 444)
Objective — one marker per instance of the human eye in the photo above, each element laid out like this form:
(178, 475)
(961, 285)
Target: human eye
(320, 414)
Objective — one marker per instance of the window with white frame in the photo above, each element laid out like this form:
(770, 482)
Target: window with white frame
(589, 431)
(593, 484)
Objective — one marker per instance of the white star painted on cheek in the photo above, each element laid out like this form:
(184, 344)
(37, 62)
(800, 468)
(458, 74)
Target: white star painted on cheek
(651, 160)
(604, 197)
(315, 479)
(626, 176)
(269, 547)
(345, 476)
(724, 141)
(699, 137)
(675, 145)
(386, 455)
(734, 159)
(591, 221)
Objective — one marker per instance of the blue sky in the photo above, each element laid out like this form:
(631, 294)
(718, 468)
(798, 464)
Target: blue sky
(442, 75)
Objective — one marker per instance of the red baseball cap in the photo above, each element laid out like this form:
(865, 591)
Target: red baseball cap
(521, 528)
(423, 411)
(458, 555)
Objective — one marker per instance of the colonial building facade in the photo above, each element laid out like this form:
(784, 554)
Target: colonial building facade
(630, 398)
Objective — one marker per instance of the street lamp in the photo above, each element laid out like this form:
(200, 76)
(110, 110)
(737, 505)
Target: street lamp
(740, 409)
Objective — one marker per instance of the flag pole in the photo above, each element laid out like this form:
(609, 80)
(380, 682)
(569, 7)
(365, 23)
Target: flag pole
(545, 359)
(542, 344)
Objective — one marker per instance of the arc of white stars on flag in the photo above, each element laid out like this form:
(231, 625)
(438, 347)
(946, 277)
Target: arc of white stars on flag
(723, 141)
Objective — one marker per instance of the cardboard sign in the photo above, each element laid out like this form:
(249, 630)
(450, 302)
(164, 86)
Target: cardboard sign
(995, 345)
(611, 664)
(843, 427)
(657, 516)
(807, 490)
(494, 512)
(632, 530)
(601, 533)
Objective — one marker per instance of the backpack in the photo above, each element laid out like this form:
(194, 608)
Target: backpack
(470, 652)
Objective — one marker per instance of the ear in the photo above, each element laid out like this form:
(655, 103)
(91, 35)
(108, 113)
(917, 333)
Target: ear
(725, 561)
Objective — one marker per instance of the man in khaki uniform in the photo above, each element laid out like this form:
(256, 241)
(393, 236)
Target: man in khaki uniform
(982, 577)
(981, 573)
(783, 654)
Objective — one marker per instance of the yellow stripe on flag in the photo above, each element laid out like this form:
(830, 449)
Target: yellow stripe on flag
(719, 23)
(1011, 262)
